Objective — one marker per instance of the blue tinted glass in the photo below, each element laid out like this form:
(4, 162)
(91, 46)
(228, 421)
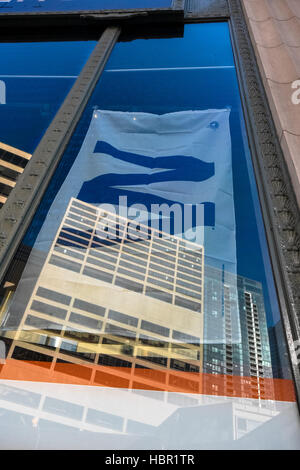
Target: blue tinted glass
(38, 6)
(213, 50)
(146, 264)
(36, 78)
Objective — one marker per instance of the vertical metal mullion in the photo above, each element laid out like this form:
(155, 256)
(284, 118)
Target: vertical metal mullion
(17, 213)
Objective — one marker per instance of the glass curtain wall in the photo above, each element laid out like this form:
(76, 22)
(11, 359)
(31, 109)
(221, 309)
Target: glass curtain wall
(145, 270)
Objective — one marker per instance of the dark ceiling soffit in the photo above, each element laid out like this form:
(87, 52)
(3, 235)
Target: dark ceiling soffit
(93, 31)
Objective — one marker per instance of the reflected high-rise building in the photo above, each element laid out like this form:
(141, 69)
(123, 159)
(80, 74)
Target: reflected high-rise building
(139, 300)
(279, 354)
(134, 309)
(115, 295)
(12, 164)
(235, 315)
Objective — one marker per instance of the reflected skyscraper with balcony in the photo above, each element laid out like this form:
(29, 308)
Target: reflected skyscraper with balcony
(248, 357)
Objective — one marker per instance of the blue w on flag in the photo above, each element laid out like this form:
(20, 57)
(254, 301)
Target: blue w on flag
(182, 158)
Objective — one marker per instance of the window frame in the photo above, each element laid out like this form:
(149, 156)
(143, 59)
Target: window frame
(279, 208)
(75, 23)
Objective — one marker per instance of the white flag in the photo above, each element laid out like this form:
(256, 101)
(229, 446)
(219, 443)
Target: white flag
(115, 159)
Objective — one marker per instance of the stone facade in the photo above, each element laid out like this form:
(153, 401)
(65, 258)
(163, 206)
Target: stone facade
(274, 27)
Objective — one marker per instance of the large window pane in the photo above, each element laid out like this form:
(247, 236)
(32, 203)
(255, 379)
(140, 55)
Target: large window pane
(34, 80)
(112, 288)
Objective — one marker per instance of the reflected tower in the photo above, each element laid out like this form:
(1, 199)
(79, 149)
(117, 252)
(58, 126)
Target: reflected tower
(12, 164)
(235, 312)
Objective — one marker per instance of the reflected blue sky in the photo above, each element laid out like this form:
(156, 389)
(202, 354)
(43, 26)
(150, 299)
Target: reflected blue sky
(19, 6)
(37, 77)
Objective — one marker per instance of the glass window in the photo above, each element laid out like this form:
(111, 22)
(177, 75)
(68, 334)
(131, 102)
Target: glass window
(153, 214)
(34, 81)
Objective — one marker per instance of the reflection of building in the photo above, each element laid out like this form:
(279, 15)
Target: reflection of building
(12, 163)
(279, 355)
(12, 278)
(128, 313)
(118, 417)
(111, 296)
(235, 316)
